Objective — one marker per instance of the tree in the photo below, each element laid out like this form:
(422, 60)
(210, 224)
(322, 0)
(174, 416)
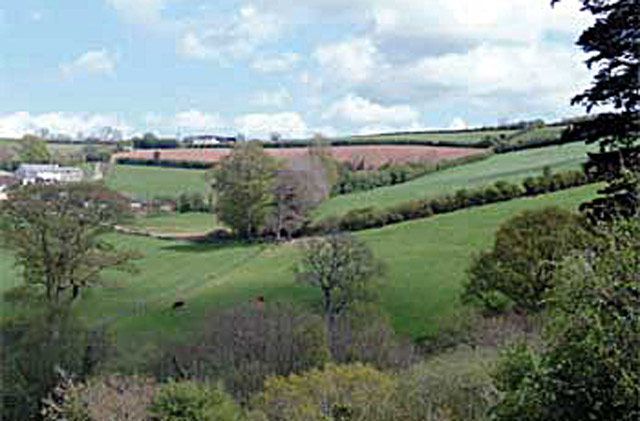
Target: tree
(33, 150)
(55, 232)
(589, 365)
(320, 153)
(31, 352)
(337, 392)
(614, 48)
(300, 186)
(244, 183)
(290, 207)
(191, 401)
(521, 266)
(342, 267)
(109, 397)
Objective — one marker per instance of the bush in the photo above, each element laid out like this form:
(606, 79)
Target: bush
(349, 392)
(364, 218)
(113, 397)
(191, 401)
(192, 202)
(521, 265)
(364, 335)
(455, 387)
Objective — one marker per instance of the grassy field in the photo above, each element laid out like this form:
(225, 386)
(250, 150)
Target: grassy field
(514, 136)
(513, 167)
(426, 262)
(147, 182)
(184, 223)
(540, 134)
(465, 137)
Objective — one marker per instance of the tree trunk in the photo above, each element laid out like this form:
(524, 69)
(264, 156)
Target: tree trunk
(330, 317)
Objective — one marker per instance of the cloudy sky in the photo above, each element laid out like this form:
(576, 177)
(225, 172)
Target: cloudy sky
(297, 67)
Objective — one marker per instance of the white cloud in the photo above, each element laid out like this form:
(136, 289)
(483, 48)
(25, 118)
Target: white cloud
(353, 61)
(139, 11)
(197, 120)
(277, 98)
(458, 123)
(192, 46)
(500, 72)
(275, 63)
(91, 63)
(287, 124)
(355, 110)
(226, 40)
(20, 123)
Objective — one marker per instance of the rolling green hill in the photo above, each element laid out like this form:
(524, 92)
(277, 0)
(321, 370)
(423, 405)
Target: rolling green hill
(426, 261)
(512, 167)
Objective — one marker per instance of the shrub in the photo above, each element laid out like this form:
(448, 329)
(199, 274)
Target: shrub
(364, 335)
(191, 401)
(358, 219)
(521, 264)
(192, 202)
(349, 392)
(113, 397)
(454, 387)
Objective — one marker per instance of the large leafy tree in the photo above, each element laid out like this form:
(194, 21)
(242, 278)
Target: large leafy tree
(33, 150)
(613, 45)
(56, 235)
(244, 183)
(520, 269)
(589, 365)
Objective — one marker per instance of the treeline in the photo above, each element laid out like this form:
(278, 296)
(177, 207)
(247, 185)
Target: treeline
(369, 217)
(151, 162)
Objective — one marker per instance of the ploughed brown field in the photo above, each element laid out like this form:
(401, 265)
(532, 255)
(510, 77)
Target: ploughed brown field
(371, 156)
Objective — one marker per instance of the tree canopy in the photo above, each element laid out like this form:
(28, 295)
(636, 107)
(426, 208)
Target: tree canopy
(55, 232)
(613, 45)
(244, 181)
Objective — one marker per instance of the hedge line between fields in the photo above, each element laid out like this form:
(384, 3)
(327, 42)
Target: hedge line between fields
(354, 180)
(150, 162)
(369, 217)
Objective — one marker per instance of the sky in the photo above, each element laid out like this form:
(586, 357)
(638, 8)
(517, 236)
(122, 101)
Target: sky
(295, 67)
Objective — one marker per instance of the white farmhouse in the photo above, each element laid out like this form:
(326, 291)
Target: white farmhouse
(37, 173)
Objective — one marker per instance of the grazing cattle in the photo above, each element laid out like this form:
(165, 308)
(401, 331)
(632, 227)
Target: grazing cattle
(259, 301)
(178, 304)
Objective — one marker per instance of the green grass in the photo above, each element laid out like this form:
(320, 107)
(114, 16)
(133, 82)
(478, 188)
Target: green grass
(426, 262)
(147, 182)
(195, 222)
(539, 134)
(512, 166)
(465, 137)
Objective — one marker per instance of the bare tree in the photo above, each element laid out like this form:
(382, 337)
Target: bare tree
(343, 268)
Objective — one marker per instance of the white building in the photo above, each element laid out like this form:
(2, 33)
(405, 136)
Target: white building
(32, 173)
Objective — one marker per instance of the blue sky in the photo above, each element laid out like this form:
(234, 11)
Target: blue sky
(296, 67)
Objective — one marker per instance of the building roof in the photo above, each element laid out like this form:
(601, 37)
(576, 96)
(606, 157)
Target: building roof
(46, 168)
